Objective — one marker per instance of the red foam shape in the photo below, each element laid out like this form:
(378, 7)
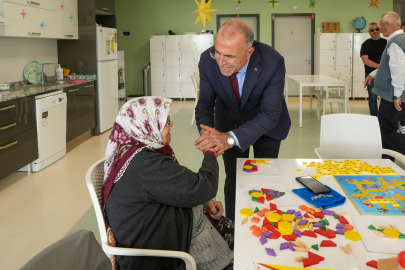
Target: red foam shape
(270, 227)
(264, 190)
(322, 232)
(309, 233)
(331, 234)
(291, 237)
(266, 221)
(279, 212)
(252, 161)
(247, 162)
(343, 220)
(273, 207)
(260, 200)
(373, 264)
(309, 262)
(306, 215)
(276, 225)
(328, 243)
(254, 169)
(275, 235)
(319, 215)
(315, 256)
(268, 197)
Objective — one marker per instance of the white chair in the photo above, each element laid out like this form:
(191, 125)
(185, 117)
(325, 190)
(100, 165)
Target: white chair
(196, 82)
(316, 93)
(338, 95)
(352, 136)
(94, 180)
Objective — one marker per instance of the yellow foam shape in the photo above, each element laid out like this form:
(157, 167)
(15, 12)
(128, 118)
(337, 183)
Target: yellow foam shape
(285, 228)
(273, 217)
(256, 194)
(287, 217)
(260, 161)
(247, 167)
(391, 233)
(352, 235)
(281, 267)
(301, 226)
(298, 171)
(246, 212)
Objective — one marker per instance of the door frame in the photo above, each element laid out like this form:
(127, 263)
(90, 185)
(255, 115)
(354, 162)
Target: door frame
(257, 16)
(312, 31)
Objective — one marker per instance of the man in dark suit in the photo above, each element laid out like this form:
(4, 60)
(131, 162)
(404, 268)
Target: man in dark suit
(244, 81)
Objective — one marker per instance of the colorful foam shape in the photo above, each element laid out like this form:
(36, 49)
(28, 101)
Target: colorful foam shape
(270, 252)
(353, 236)
(287, 217)
(255, 220)
(297, 232)
(285, 228)
(343, 220)
(315, 256)
(373, 264)
(291, 246)
(273, 217)
(340, 231)
(391, 233)
(263, 240)
(309, 262)
(309, 233)
(328, 243)
(316, 247)
(291, 237)
(284, 246)
(275, 235)
(340, 226)
(246, 212)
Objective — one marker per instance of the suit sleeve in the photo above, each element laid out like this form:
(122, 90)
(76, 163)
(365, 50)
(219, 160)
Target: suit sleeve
(169, 183)
(204, 111)
(270, 110)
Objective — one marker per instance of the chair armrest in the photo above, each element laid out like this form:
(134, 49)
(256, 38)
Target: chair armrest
(394, 154)
(187, 258)
(318, 152)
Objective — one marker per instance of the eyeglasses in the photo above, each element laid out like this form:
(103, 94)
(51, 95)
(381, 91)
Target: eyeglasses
(230, 59)
(168, 121)
(374, 29)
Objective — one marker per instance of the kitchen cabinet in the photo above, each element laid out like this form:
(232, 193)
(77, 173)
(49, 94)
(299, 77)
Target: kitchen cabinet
(67, 20)
(106, 6)
(81, 110)
(18, 134)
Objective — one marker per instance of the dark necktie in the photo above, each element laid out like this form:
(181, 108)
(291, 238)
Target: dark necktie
(235, 86)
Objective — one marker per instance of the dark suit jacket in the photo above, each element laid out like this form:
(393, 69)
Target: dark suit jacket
(262, 104)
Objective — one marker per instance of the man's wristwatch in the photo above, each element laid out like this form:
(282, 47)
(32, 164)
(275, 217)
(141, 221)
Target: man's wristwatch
(395, 98)
(230, 140)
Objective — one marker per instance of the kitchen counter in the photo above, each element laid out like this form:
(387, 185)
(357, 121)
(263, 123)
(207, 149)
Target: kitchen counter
(34, 89)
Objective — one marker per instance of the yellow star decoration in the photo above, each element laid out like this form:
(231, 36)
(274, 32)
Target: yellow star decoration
(204, 10)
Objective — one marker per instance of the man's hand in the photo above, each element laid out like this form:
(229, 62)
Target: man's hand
(214, 209)
(368, 81)
(397, 104)
(211, 139)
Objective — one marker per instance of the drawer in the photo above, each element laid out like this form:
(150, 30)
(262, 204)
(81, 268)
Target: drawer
(18, 151)
(8, 110)
(16, 125)
(45, 4)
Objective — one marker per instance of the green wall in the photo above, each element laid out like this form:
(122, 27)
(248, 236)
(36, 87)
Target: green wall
(156, 17)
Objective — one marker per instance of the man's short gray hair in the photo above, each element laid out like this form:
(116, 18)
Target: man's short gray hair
(392, 18)
(235, 26)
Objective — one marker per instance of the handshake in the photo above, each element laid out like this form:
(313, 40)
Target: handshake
(212, 140)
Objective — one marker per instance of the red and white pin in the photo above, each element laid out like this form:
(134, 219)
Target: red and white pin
(255, 69)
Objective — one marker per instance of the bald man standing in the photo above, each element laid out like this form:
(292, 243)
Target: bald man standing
(389, 81)
(241, 101)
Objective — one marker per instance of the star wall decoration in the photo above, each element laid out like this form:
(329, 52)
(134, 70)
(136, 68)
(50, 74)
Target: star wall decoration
(62, 6)
(273, 2)
(71, 17)
(312, 3)
(42, 25)
(374, 3)
(23, 14)
(204, 10)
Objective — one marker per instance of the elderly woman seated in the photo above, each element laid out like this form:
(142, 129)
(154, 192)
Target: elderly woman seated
(152, 202)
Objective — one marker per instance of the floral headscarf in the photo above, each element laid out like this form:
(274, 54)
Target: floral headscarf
(139, 124)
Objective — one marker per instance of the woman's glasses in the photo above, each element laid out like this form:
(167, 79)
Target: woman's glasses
(374, 29)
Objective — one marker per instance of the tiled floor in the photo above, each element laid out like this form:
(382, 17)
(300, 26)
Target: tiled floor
(39, 209)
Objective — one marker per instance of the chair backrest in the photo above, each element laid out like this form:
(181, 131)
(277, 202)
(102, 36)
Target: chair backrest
(196, 83)
(350, 136)
(94, 181)
(335, 74)
(345, 77)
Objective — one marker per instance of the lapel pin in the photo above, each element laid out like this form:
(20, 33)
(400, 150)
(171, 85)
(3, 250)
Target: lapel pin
(255, 69)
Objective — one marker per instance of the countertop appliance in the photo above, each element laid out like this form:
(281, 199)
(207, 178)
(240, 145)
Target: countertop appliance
(51, 128)
(107, 80)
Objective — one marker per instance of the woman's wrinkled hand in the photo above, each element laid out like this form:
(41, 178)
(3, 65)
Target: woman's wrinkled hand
(214, 209)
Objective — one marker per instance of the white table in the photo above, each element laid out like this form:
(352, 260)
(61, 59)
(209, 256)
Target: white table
(247, 247)
(314, 80)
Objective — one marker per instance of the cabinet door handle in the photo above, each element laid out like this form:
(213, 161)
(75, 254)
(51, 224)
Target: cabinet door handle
(106, 9)
(89, 85)
(7, 108)
(68, 35)
(34, 34)
(8, 145)
(8, 126)
(74, 90)
(33, 3)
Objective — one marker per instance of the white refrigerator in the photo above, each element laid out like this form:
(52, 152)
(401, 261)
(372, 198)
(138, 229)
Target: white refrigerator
(107, 80)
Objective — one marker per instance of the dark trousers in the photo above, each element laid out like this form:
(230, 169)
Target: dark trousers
(388, 117)
(264, 147)
(372, 99)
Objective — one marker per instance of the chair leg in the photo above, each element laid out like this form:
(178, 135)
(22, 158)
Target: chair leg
(324, 106)
(310, 102)
(331, 107)
(318, 108)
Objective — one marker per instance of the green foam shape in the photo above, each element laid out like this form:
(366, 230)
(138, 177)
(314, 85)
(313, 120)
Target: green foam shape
(336, 216)
(371, 227)
(380, 230)
(402, 236)
(323, 227)
(274, 196)
(282, 193)
(324, 221)
(272, 223)
(256, 210)
(316, 247)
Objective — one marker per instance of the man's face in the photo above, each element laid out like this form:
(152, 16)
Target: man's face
(372, 30)
(384, 28)
(231, 53)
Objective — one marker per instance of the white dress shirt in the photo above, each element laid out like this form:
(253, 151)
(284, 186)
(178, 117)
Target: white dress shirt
(396, 64)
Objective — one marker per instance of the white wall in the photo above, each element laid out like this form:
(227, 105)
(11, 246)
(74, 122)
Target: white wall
(15, 53)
